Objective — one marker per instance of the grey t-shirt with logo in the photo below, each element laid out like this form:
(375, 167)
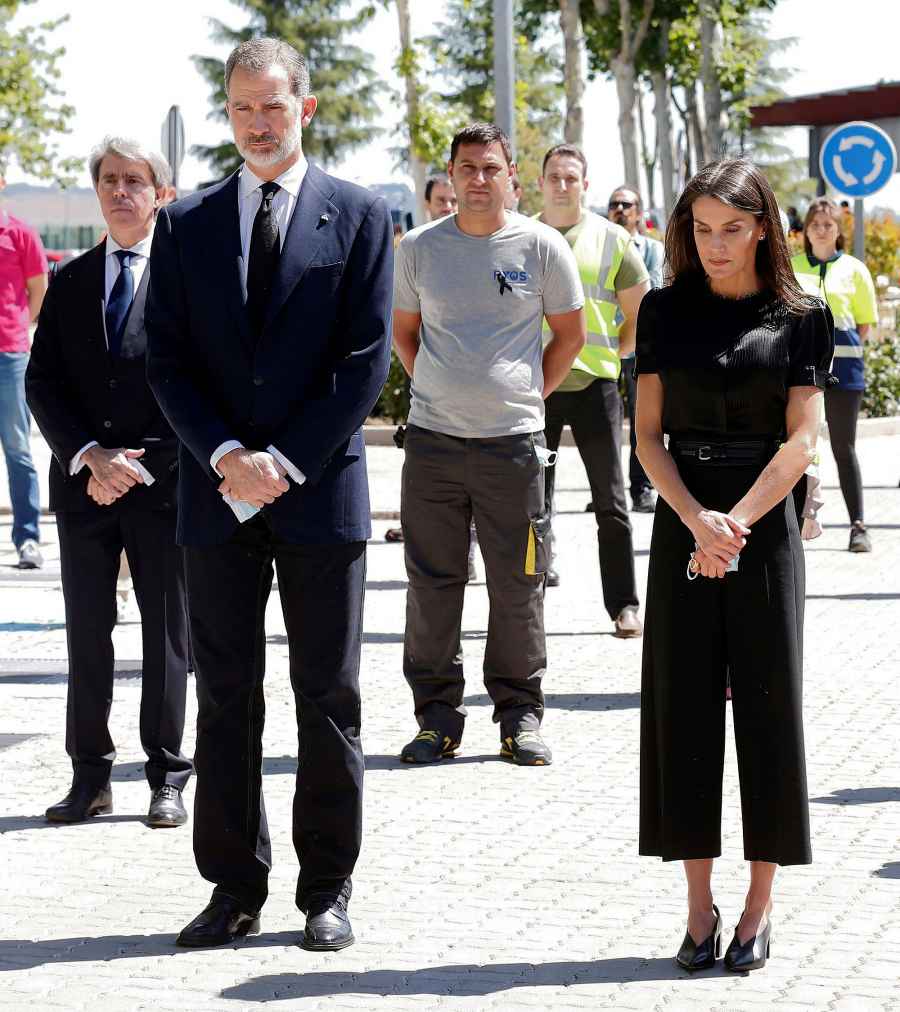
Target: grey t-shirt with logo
(482, 301)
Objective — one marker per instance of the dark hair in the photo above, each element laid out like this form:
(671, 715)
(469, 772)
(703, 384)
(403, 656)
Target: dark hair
(568, 150)
(484, 134)
(430, 184)
(639, 204)
(739, 184)
(257, 55)
(822, 205)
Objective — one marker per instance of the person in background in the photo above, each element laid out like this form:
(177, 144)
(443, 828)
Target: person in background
(615, 280)
(626, 209)
(826, 270)
(470, 295)
(113, 486)
(732, 358)
(23, 283)
(440, 200)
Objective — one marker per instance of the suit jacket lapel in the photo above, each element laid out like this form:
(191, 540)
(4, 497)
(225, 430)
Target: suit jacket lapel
(312, 217)
(95, 291)
(225, 242)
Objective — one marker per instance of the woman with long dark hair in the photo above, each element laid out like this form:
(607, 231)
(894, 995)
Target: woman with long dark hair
(732, 358)
(844, 282)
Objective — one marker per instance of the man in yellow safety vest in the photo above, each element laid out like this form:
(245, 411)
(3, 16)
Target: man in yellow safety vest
(615, 280)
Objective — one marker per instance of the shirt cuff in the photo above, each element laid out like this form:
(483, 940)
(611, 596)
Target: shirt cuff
(292, 470)
(76, 464)
(220, 451)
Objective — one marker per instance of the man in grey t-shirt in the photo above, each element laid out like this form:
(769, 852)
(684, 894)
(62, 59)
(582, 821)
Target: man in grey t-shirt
(471, 292)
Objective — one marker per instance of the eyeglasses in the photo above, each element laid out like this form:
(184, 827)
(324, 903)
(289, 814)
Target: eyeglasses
(623, 204)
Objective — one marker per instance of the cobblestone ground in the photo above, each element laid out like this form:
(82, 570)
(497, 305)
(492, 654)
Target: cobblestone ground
(481, 885)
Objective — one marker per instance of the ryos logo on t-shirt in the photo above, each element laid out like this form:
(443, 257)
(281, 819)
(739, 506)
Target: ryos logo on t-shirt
(506, 279)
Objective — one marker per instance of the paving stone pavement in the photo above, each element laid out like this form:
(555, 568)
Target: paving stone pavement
(481, 886)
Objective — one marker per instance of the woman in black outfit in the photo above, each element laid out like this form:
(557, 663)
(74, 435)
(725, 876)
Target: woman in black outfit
(731, 361)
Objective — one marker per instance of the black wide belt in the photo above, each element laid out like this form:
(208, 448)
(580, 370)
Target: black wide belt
(735, 453)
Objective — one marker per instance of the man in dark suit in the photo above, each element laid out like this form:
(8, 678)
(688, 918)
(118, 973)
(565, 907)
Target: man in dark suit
(269, 344)
(112, 486)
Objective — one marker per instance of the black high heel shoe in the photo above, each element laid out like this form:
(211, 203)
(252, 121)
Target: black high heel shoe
(692, 956)
(752, 955)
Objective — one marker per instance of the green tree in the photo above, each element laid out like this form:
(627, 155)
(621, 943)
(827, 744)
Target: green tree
(464, 89)
(30, 116)
(341, 73)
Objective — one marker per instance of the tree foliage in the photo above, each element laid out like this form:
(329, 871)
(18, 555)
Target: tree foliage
(462, 49)
(341, 73)
(30, 115)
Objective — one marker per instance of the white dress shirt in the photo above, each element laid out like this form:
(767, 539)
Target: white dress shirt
(112, 267)
(283, 204)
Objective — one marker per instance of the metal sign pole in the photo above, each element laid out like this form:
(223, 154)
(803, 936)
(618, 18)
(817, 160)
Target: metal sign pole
(504, 70)
(859, 229)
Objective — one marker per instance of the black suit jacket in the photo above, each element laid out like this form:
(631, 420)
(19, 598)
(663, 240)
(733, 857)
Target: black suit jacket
(305, 384)
(77, 392)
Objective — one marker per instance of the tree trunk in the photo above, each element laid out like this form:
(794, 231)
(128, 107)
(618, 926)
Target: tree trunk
(698, 132)
(663, 115)
(710, 49)
(623, 72)
(648, 157)
(416, 166)
(575, 60)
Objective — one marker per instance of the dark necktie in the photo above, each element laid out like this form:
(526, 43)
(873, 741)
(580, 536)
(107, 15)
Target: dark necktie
(120, 299)
(265, 250)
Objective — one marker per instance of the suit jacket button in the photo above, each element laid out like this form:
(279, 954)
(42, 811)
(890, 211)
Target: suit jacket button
(107, 424)
(173, 465)
(258, 381)
(113, 384)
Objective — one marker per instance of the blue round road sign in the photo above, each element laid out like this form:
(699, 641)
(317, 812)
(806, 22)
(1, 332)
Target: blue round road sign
(858, 159)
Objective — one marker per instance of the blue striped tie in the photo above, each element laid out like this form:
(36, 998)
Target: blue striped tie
(119, 304)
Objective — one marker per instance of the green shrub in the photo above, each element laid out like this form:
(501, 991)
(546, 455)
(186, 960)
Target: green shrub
(394, 400)
(882, 358)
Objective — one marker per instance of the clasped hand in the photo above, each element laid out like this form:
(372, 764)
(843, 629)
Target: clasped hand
(252, 476)
(112, 473)
(719, 539)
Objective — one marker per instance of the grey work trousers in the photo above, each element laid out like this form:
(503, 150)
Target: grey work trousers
(448, 480)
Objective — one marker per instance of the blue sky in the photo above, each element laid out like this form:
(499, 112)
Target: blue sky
(124, 67)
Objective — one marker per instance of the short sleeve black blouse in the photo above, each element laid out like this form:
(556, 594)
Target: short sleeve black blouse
(726, 364)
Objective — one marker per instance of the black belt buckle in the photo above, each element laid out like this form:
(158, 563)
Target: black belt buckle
(704, 453)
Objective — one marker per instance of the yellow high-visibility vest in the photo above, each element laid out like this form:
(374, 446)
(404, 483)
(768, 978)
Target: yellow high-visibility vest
(599, 247)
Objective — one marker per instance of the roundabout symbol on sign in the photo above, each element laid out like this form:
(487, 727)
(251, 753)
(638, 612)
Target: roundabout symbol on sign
(858, 159)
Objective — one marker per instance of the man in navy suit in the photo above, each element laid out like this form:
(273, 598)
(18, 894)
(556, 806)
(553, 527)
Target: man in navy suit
(269, 344)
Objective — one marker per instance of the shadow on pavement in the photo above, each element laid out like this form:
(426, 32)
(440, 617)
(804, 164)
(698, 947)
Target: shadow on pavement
(852, 597)
(392, 762)
(24, 954)
(890, 870)
(457, 980)
(860, 796)
(386, 584)
(30, 626)
(869, 527)
(11, 823)
(575, 700)
(25, 672)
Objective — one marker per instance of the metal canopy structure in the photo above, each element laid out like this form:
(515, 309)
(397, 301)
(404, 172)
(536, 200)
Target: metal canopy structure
(829, 108)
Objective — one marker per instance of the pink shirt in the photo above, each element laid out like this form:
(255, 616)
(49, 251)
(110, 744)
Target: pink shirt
(21, 257)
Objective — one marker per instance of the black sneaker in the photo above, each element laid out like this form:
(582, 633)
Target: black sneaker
(643, 502)
(859, 538)
(429, 747)
(526, 748)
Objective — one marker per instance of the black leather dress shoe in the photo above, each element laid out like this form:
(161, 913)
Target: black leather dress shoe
(82, 802)
(166, 808)
(752, 955)
(220, 923)
(701, 955)
(327, 924)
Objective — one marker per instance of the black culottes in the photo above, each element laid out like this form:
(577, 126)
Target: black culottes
(747, 627)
